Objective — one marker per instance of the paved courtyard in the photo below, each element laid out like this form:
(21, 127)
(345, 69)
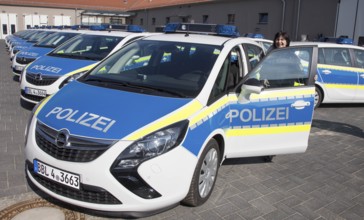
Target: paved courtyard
(326, 182)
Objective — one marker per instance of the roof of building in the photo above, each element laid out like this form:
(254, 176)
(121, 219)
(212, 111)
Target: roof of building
(123, 5)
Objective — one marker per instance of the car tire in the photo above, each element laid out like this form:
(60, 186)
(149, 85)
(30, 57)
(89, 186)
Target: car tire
(204, 177)
(318, 97)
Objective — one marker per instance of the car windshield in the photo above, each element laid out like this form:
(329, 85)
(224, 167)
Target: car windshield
(157, 67)
(42, 34)
(56, 39)
(87, 47)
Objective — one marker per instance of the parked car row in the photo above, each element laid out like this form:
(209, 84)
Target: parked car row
(139, 125)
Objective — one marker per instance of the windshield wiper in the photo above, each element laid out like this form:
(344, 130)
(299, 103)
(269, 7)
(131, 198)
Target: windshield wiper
(142, 88)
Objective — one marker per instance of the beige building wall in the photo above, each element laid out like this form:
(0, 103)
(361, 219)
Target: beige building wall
(297, 17)
(51, 14)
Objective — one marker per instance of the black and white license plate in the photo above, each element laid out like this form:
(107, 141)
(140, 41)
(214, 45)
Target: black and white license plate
(58, 175)
(19, 68)
(36, 92)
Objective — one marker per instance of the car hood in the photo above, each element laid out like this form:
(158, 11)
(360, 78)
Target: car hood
(34, 52)
(56, 66)
(97, 112)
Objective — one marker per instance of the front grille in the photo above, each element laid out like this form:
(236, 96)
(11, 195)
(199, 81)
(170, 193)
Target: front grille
(31, 97)
(40, 80)
(23, 60)
(93, 195)
(78, 149)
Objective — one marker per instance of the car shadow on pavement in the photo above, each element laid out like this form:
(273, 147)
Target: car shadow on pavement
(247, 160)
(341, 105)
(338, 127)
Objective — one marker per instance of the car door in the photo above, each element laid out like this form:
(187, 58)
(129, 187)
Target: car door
(271, 111)
(337, 74)
(359, 63)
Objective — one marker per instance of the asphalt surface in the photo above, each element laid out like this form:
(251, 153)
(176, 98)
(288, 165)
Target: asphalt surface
(325, 182)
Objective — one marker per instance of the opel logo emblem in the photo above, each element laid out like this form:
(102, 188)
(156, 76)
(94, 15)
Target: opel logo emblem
(62, 138)
(38, 76)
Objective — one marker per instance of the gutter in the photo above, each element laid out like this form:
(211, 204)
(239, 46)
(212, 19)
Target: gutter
(283, 13)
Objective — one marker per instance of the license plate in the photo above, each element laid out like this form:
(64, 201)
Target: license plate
(36, 92)
(55, 174)
(19, 68)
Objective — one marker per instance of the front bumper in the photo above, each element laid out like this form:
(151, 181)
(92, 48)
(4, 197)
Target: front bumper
(169, 174)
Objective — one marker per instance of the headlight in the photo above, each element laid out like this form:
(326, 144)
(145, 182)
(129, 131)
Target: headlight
(152, 145)
(124, 169)
(71, 78)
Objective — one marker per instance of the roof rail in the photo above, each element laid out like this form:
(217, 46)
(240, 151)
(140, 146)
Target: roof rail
(208, 29)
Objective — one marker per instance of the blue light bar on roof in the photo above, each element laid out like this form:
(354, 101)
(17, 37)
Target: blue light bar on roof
(97, 28)
(342, 40)
(212, 29)
(252, 35)
(125, 27)
(80, 26)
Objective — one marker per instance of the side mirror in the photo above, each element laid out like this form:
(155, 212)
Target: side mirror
(249, 87)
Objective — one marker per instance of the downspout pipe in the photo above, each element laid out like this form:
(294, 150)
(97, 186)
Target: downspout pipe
(298, 17)
(283, 13)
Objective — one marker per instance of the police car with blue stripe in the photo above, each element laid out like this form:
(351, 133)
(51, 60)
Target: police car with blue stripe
(340, 72)
(140, 133)
(35, 38)
(49, 73)
(28, 55)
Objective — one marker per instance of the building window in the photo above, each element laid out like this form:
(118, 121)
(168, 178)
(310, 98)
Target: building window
(263, 18)
(131, 21)
(5, 29)
(141, 21)
(168, 19)
(153, 21)
(231, 18)
(205, 19)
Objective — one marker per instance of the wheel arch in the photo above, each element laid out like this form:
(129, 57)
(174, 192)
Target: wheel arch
(221, 142)
(318, 86)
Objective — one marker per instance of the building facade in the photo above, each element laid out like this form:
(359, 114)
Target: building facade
(301, 19)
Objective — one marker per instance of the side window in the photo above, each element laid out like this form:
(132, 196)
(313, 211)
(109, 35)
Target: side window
(229, 75)
(284, 68)
(359, 58)
(254, 53)
(335, 56)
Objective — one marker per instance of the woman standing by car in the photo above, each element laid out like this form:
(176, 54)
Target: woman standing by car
(281, 39)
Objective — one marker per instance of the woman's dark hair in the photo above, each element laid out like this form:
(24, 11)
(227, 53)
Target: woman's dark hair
(281, 34)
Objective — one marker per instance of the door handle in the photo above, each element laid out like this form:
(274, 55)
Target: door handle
(300, 104)
(326, 72)
(362, 75)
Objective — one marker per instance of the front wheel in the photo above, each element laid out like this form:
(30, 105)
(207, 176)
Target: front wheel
(205, 175)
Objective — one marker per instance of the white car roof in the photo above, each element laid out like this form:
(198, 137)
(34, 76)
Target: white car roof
(196, 38)
(114, 33)
(325, 44)
(73, 31)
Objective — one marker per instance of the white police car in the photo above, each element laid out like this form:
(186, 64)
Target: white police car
(340, 72)
(149, 126)
(259, 38)
(28, 55)
(51, 72)
(35, 38)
